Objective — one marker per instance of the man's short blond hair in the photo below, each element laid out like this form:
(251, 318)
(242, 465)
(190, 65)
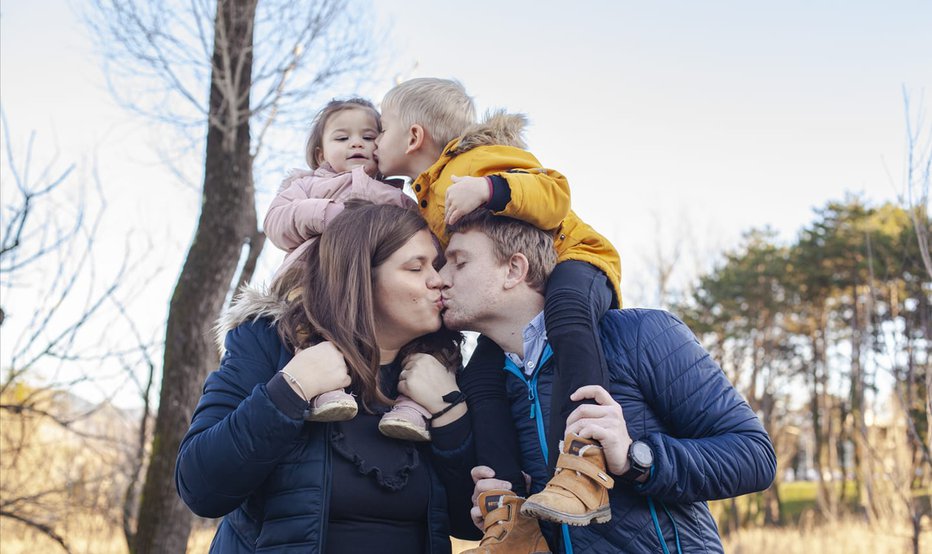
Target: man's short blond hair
(440, 106)
(511, 236)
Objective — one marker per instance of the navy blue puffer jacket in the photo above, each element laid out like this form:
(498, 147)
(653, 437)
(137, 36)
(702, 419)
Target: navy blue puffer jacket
(707, 442)
(268, 474)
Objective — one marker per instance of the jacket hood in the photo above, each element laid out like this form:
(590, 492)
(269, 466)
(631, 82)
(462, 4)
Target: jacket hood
(497, 128)
(252, 302)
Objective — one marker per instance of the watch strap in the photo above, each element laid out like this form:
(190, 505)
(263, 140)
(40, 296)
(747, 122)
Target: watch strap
(635, 470)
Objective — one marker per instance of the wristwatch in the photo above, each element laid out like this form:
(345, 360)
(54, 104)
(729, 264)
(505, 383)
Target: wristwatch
(641, 458)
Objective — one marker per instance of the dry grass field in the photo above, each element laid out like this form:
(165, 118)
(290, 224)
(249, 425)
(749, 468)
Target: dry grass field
(76, 490)
(844, 537)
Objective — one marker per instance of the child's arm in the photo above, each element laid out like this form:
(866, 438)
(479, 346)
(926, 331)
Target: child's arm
(539, 196)
(293, 218)
(371, 190)
(304, 207)
(512, 183)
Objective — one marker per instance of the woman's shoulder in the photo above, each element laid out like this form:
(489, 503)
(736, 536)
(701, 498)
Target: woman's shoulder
(254, 313)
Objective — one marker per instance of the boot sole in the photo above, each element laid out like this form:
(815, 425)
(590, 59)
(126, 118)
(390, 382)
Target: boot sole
(532, 509)
(403, 430)
(335, 411)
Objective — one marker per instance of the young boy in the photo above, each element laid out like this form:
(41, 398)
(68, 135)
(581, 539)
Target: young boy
(429, 134)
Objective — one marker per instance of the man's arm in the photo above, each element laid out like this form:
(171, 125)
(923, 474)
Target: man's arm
(716, 447)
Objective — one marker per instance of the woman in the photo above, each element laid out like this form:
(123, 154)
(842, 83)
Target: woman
(287, 484)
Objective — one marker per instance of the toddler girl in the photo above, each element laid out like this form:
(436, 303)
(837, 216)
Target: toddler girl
(341, 153)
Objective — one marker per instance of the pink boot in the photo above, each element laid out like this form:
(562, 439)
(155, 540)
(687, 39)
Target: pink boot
(336, 405)
(406, 421)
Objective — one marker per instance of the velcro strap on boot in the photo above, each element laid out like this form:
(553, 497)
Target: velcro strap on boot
(496, 518)
(587, 468)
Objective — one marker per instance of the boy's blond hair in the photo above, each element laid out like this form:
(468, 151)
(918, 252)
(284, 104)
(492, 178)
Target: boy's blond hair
(440, 106)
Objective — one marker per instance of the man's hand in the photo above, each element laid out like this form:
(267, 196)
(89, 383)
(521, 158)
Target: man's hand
(465, 195)
(603, 422)
(483, 477)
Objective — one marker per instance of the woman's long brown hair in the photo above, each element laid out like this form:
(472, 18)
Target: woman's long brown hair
(337, 304)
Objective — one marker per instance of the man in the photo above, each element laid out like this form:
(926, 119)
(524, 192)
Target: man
(674, 432)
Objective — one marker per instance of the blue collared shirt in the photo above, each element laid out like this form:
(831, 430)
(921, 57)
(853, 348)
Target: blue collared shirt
(535, 339)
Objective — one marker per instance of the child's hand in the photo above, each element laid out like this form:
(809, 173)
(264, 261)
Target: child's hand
(465, 195)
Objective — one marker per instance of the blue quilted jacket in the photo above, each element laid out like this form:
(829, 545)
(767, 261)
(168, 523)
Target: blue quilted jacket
(707, 442)
(267, 474)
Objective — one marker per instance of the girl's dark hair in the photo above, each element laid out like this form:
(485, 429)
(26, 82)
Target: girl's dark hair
(316, 139)
(334, 301)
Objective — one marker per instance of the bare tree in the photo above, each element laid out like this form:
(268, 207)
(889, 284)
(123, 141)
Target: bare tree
(909, 379)
(259, 65)
(54, 299)
(915, 198)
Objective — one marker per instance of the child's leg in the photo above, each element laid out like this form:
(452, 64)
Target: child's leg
(483, 382)
(578, 295)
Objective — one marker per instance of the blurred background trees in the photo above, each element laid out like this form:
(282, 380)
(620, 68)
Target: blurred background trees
(828, 338)
(827, 335)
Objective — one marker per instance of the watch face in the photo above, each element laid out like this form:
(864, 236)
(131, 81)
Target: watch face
(642, 454)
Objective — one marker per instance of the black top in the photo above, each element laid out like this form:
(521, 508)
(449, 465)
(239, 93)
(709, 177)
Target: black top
(389, 474)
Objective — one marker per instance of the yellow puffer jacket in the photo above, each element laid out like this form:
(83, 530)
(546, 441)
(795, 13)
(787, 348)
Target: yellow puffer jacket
(539, 196)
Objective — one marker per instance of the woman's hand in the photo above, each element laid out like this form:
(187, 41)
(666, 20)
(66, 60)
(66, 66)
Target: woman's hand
(425, 380)
(318, 369)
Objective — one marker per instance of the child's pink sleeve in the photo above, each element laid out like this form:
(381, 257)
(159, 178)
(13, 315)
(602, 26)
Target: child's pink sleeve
(377, 192)
(296, 215)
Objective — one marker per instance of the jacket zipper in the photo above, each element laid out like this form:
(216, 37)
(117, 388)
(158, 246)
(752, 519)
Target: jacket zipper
(325, 507)
(538, 414)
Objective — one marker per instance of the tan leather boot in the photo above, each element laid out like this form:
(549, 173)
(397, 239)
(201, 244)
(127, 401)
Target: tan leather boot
(578, 492)
(506, 530)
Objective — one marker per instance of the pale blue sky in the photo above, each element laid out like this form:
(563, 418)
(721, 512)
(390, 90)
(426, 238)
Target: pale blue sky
(675, 121)
(725, 114)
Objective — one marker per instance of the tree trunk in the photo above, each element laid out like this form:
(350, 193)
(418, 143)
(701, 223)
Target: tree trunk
(256, 242)
(227, 219)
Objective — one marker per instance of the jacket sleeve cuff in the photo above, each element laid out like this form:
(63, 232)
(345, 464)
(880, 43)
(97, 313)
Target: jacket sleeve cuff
(642, 486)
(452, 435)
(501, 193)
(285, 398)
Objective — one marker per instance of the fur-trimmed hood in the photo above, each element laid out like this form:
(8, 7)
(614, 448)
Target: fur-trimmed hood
(252, 302)
(497, 128)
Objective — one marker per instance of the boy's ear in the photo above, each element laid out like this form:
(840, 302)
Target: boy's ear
(416, 138)
(517, 270)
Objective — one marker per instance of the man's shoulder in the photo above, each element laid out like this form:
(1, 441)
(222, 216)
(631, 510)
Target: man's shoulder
(637, 321)
(628, 331)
